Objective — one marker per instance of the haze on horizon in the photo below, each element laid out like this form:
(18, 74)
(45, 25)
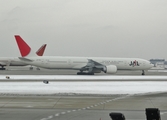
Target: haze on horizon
(103, 28)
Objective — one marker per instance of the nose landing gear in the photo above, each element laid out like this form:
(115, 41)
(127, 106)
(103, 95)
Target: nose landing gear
(143, 72)
(2, 68)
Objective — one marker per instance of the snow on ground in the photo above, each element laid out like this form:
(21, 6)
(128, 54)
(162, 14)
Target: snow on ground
(80, 77)
(61, 84)
(81, 87)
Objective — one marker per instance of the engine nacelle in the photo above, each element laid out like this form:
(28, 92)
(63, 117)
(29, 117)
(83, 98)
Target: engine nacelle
(110, 69)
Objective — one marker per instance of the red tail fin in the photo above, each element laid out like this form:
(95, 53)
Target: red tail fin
(23, 47)
(41, 50)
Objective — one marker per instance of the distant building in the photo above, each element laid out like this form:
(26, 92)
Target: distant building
(159, 63)
(165, 64)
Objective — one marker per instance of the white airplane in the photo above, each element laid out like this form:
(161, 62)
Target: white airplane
(89, 64)
(15, 61)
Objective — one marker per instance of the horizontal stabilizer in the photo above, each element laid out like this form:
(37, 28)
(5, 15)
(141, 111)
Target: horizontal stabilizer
(25, 59)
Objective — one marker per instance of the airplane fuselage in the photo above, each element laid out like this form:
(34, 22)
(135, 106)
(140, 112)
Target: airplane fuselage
(11, 61)
(90, 64)
(76, 63)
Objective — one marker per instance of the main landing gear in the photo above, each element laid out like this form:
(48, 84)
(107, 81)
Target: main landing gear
(2, 68)
(31, 68)
(143, 72)
(84, 73)
(37, 68)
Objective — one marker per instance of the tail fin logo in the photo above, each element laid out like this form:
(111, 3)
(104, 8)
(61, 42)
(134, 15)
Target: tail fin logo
(41, 50)
(134, 63)
(23, 47)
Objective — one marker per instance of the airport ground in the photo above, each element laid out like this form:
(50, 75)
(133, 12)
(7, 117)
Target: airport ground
(77, 106)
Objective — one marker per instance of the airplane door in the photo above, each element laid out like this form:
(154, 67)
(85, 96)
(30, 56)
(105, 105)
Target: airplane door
(69, 61)
(125, 64)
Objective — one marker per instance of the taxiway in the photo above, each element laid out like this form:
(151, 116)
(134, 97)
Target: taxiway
(20, 99)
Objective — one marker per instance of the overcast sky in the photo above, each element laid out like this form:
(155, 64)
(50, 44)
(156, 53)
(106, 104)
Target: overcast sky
(97, 28)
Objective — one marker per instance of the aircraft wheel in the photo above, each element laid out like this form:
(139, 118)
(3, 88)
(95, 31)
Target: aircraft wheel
(90, 73)
(79, 73)
(2, 68)
(37, 68)
(143, 73)
(83, 73)
(31, 68)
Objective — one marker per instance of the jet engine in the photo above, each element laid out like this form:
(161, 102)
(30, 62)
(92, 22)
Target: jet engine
(110, 69)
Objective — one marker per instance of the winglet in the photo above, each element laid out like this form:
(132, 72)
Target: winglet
(23, 46)
(41, 50)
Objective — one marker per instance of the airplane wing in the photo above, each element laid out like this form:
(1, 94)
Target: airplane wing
(94, 62)
(96, 67)
(93, 66)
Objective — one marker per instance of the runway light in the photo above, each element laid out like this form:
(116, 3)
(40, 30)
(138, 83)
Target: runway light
(7, 77)
(153, 114)
(46, 82)
(117, 116)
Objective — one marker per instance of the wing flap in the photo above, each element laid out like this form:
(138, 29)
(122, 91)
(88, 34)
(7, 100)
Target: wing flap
(93, 66)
